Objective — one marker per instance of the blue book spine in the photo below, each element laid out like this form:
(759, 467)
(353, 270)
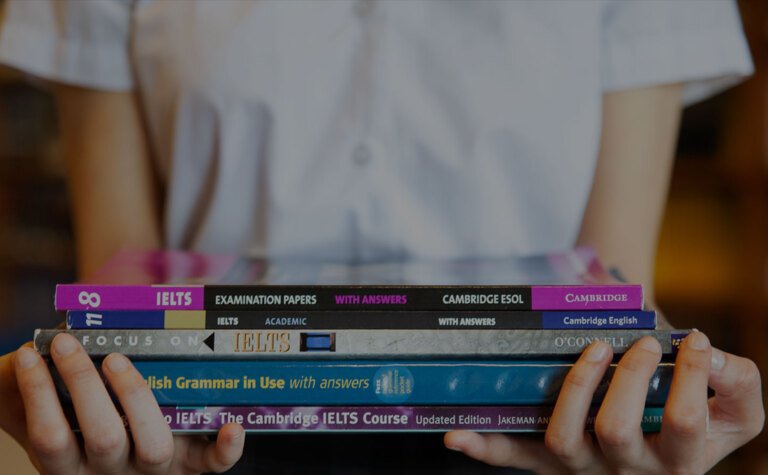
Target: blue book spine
(365, 319)
(364, 382)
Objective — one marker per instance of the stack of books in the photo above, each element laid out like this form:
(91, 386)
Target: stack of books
(281, 346)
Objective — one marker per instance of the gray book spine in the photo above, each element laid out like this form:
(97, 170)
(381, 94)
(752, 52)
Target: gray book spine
(319, 344)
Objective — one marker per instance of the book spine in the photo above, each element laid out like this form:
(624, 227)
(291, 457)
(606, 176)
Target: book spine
(366, 382)
(363, 319)
(334, 344)
(323, 297)
(256, 419)
(128, 297)
(137, 319)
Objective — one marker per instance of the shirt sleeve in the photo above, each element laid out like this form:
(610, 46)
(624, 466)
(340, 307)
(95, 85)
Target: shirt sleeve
(78, 42)
(653, 42)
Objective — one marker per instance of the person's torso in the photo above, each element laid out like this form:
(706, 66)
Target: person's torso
(372, 129)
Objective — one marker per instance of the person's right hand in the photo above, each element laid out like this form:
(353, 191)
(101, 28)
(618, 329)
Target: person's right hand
(31, 413)
(696, 431)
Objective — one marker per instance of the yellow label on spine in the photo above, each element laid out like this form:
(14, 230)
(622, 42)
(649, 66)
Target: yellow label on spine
(185, 319)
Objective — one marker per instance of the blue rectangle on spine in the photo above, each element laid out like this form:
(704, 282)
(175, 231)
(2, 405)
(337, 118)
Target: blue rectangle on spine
(598, 320)
(94, 320)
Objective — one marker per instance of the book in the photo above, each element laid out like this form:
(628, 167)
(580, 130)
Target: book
(367, 382)
(572, 280)
(325, 419)
(363, 319)
(334, 344)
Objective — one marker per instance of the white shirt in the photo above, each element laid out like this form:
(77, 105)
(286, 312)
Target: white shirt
(375, 129)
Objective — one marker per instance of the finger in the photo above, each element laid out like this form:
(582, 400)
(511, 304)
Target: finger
(618, 423)
(12, 418)
(49, 435)
(737, 407)
(153, 442)
(504, 451)
(566, 436)
(684, 426)
(218, 456)
(106, 443)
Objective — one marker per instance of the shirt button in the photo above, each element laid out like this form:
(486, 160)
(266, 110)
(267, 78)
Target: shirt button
(362, 155)
(363, 7)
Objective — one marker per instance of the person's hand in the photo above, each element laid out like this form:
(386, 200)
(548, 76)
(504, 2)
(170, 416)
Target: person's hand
(30, 412)
(696, 432)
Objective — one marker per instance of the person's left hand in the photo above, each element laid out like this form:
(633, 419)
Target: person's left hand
(31, 412)
(696, 432)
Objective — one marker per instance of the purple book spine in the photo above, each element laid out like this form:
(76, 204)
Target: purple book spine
(375, 418)
(197, 297)
(129, 297)
(587, 297)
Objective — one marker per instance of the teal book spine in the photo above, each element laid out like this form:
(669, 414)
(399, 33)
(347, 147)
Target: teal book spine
(368, 382)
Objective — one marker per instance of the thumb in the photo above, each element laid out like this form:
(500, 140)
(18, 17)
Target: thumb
(738, 393)
(504, 451)
(12, 418)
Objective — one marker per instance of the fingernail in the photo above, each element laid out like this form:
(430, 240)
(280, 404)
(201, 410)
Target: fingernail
(697, 341)
(596, 352)
(454, 448)
(26, 358)
(116, 363)
(64, 344)
(718, 359)
(650, 344)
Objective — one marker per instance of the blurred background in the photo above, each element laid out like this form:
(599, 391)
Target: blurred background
(712, 264)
